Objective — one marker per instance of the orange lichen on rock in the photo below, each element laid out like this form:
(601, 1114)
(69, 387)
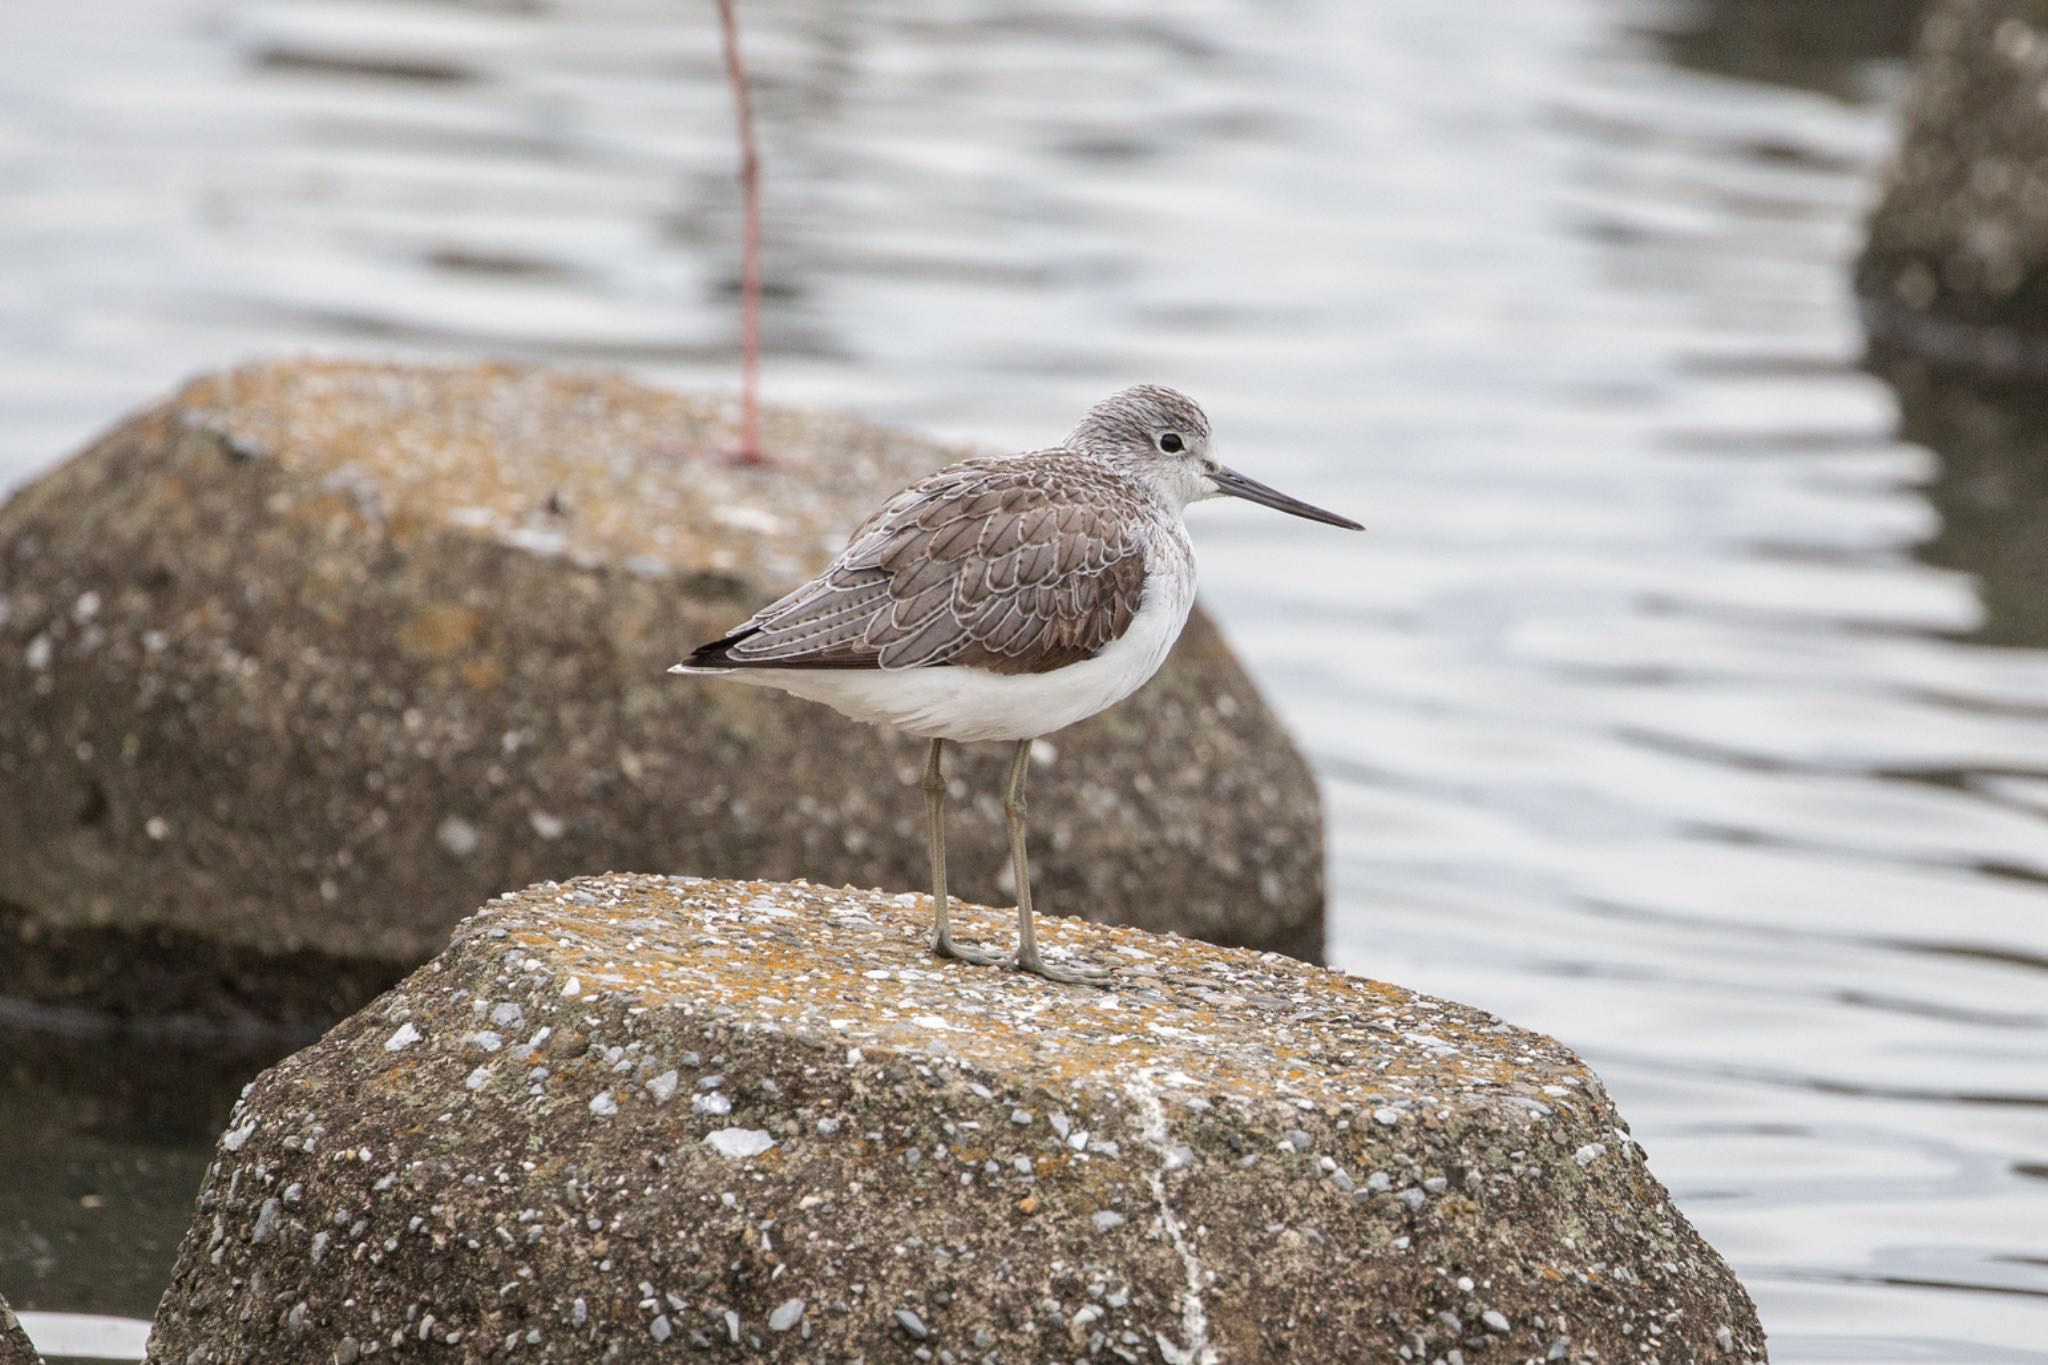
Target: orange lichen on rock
(853, 967)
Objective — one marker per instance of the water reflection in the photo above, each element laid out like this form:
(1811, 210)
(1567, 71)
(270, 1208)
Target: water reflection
(1833, 49)
(1674, 704)
(1989, 435)
(106, 1137)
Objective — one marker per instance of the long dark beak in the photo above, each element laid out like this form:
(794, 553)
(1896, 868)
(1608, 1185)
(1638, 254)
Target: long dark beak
(1233, 484)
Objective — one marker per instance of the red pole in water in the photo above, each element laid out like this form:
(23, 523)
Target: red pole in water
(750, 451)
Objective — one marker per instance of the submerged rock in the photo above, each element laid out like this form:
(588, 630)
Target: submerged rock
(15, 1347)
(299, 666)
(1957, 262)
(1227, 1156)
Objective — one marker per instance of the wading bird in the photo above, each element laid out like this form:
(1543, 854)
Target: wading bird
(1003, 598)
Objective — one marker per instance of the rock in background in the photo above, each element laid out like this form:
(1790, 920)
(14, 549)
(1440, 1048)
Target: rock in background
(632, 1116)
(1957, 262)
(15, 1347)
(300, 666)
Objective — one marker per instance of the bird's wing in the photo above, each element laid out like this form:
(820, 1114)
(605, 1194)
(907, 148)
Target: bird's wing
(1018, 565)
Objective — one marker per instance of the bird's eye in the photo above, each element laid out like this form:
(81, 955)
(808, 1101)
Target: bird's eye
(1171, 443)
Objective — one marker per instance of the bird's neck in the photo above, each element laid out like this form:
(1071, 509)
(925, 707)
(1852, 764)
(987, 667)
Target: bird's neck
(1169, 486)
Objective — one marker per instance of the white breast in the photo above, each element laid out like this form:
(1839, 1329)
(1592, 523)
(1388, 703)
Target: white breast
(973, 704)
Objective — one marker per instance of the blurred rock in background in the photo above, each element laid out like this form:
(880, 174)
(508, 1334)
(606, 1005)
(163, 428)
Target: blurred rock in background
(1957, 263)
(15, 1347)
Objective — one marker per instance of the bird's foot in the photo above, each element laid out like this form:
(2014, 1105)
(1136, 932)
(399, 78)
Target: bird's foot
(944, 946)
(1083, 974)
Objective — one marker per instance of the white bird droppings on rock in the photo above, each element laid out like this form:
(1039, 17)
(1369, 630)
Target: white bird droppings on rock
(739, 1142)
(402, 1038)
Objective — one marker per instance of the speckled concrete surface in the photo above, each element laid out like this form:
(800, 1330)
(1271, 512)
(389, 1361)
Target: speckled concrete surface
(299, 666)
(15, 1347)
(1957, 262)
(630, 1116)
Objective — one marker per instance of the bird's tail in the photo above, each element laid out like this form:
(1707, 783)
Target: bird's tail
(714, 657)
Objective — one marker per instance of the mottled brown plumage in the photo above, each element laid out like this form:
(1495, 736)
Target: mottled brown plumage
(1006, 598)
(1013, 564)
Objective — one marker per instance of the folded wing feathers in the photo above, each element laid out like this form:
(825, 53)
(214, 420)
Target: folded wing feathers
(921, 575)
(822, 624)
(982, 564)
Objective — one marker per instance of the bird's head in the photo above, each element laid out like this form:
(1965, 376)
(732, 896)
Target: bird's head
(1161, 436)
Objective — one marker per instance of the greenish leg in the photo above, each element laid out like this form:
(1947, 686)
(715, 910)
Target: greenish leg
(1028, 959)
(935, 809)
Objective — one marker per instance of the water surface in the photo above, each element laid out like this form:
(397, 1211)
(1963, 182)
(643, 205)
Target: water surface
(1674, 704)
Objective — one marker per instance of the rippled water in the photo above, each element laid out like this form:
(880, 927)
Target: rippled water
(1673, 704)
